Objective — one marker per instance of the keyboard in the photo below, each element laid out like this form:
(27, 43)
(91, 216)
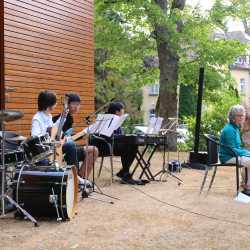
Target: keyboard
(141, 140)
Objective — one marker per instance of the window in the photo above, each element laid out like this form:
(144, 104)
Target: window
(241, 60)
(154, 89)
(152, 113)
(242, 86)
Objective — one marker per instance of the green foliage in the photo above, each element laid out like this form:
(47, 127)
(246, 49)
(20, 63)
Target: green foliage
(188, 100)
(214, 115)
(121, 29)
(111, 84)
(125, 34)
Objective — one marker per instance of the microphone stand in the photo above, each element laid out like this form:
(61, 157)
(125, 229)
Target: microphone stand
(88, 119)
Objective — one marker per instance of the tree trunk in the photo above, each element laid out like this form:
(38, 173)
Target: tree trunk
(168, 96)
(167, 104)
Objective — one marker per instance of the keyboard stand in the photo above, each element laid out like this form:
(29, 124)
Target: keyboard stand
(145, 163)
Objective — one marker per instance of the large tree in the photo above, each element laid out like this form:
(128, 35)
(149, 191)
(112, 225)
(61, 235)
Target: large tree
(181, 37)
(142, 28)
(168, 57)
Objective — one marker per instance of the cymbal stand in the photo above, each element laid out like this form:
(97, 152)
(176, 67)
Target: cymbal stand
(4, 196)
(54, 162)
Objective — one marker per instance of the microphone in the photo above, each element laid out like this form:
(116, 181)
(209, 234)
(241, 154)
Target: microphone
(88, 118)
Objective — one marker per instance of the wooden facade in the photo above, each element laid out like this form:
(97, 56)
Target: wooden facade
(2, 94)
(48, 44)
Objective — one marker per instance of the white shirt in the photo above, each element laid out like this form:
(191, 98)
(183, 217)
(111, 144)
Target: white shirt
(41, 122)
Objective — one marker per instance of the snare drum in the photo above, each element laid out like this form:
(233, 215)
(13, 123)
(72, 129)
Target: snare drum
(34, 149)
(12, 157)
(44, 192)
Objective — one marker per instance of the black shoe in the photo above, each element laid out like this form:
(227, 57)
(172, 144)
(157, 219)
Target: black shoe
(127, 176)
(131, 181)
(120, 173)
(144, 181)
(128, 181)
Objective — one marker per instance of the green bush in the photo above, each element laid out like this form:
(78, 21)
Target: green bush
(214, 116)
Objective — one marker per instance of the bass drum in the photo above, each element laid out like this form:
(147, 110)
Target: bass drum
(47, 192)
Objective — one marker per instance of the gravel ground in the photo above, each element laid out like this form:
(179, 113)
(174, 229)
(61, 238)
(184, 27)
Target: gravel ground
(159, 215)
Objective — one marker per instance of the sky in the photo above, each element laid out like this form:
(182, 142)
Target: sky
(207, 4)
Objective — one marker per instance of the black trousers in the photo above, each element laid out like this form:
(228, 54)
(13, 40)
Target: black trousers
(127, 152)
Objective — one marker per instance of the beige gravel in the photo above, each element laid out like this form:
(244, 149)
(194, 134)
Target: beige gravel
(140, 221)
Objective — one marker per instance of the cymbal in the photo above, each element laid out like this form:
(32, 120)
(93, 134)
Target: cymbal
(9, 89)
(16, 138)
(10, 115)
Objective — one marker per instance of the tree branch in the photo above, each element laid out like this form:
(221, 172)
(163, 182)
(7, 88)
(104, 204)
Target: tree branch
(178, 4)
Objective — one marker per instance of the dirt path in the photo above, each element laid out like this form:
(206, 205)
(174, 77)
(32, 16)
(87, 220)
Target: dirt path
(140, 221)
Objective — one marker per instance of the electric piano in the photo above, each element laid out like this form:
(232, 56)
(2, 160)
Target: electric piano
(142, 140)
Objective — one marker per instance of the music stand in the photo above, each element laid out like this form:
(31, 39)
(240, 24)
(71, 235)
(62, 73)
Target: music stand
(100, 127)
(169, 128)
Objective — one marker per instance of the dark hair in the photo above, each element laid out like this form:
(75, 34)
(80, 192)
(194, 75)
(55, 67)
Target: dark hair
(73, 97)
(46, 99)
(114, 107)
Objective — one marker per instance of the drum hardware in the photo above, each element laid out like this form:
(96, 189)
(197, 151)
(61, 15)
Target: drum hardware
(62, 183)
(10, 115)
(7, 116)
(53, 199)
(35, 150)
(13, 157)
(17, 138)
(53, 145)
(41, 195)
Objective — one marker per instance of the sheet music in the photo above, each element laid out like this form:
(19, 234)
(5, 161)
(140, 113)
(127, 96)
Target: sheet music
(143, 129)
(106, 124)
(154, 126)
(120, 120)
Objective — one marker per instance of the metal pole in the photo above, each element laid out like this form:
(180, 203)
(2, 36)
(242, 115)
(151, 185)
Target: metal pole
(198, 112)
(3, 171)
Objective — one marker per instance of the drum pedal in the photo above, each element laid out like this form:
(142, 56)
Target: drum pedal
(53, 199)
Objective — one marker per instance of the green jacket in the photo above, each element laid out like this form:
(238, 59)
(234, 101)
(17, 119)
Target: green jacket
(230, 136)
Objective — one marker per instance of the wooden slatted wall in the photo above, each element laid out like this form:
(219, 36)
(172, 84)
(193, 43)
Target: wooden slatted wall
(2, 94)
(48, 45)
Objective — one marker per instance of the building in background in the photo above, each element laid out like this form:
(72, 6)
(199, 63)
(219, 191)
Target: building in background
(47, 45)
(150, 95)
(240, 71)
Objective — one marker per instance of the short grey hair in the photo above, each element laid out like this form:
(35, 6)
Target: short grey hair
(234, 110)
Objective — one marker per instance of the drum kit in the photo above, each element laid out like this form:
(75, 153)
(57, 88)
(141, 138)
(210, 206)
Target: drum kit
(28, 186)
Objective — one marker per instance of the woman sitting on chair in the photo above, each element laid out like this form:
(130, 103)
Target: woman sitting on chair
(230, 136)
